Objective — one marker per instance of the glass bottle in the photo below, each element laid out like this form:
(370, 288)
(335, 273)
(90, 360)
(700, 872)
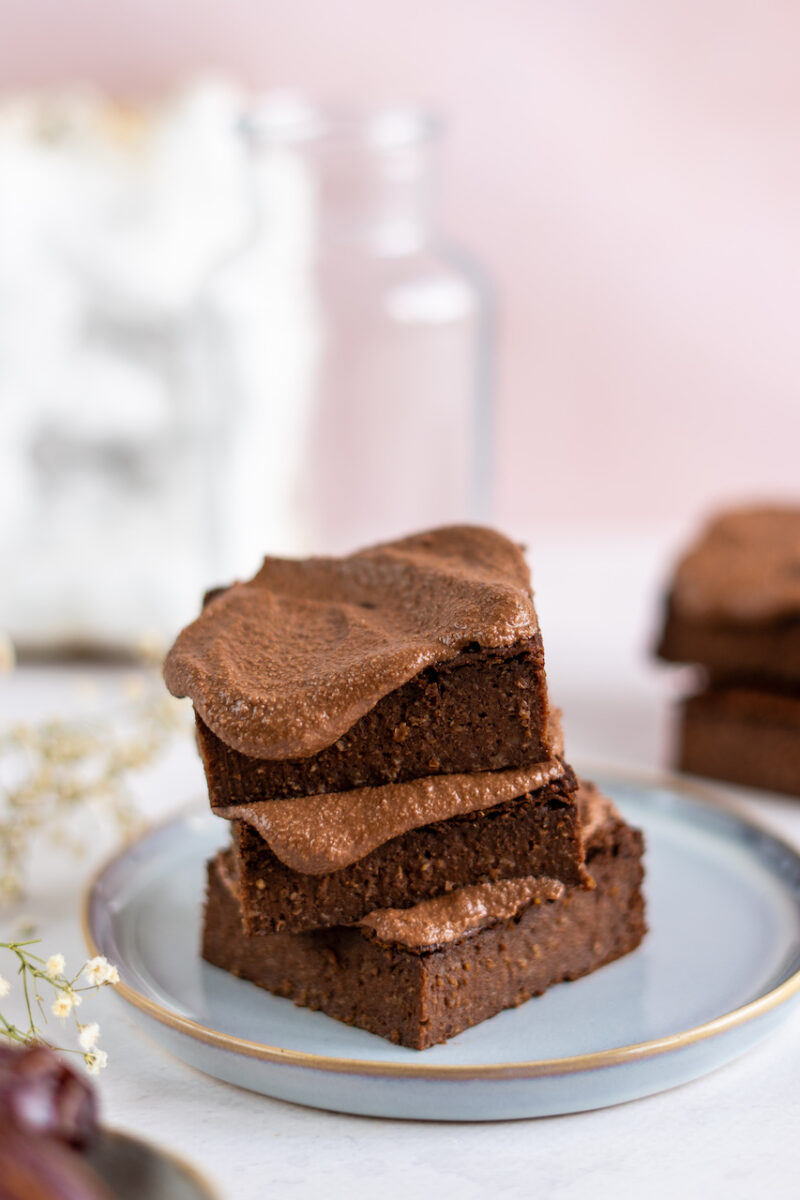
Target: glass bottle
(347, 344)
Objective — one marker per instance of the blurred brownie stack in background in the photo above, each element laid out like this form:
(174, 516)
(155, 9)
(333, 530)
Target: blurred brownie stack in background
(734, 611)
(410, 851)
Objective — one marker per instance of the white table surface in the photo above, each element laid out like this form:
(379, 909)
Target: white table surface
(733, 1134)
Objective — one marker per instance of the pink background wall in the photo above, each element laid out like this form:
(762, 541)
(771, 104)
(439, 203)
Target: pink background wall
(629, 172)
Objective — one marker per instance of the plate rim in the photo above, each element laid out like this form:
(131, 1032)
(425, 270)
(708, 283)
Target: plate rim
(697, 793)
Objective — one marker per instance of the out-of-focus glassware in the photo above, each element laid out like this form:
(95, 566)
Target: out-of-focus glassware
(347, 343)
(165, 424)
(110, 218)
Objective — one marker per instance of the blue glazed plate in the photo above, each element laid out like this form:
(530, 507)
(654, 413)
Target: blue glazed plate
(718, 971)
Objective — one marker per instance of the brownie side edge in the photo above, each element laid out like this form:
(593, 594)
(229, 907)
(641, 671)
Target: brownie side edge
(554, 943)
(535, 834)
(336, 971)
(742, 736)
(485, 710)
(771, 650)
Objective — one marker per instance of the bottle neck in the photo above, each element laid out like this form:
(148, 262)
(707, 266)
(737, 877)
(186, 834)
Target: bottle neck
(365, 182)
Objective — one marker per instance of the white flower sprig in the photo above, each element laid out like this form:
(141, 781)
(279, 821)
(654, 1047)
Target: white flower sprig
(36, 974)
(53, 771)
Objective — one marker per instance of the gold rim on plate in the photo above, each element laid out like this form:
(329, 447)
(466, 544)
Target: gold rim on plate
(537, 1068)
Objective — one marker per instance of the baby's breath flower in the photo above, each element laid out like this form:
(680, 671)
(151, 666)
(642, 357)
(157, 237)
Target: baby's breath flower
(95, 1061)
(63, 1004)
(88, 1035)
(99, 971)
(52, 770)
(37, 975)
(54, 966)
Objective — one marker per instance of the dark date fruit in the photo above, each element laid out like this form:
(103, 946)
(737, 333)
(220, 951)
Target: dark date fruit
(41, 1095)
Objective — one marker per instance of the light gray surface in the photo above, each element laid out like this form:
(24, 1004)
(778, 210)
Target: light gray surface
(733, 1133)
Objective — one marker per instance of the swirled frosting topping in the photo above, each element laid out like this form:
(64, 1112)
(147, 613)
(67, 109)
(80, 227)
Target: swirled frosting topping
(744, 567)
(451, 917)
(283, 665)
(324, 833)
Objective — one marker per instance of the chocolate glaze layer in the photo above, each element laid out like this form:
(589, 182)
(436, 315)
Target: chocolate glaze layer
(283, 665)
(745, 567)
(319, 834)
(451, 917)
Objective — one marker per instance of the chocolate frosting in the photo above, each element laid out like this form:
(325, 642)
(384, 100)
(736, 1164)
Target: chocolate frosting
(458, 913)
(283, 665)
(319, 834)
(744, 567)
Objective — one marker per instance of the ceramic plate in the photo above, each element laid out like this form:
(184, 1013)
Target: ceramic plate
(718, 971)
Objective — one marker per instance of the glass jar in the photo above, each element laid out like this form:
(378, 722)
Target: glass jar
(110, 219)
(347, 344)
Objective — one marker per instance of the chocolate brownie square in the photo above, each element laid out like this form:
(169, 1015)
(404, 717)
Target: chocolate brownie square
(743, 735)
(734, 604)
(340, 857)
(734, 610)
(413, 658)
(419, 976)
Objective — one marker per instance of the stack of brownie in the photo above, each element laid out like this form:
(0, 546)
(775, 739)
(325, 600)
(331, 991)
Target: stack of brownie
(410, 852)
(734, 612)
